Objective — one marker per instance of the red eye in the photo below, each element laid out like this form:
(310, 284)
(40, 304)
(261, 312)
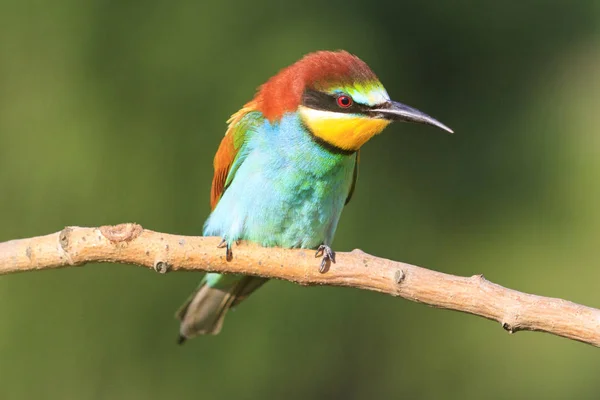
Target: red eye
(344, 101)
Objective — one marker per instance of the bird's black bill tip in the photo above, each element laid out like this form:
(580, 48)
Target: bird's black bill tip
(394, 111)
(181, 339)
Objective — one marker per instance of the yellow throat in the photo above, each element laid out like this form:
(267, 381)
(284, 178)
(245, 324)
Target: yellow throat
(345, 131)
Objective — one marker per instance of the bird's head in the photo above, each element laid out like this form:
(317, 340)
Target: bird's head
(338, 98)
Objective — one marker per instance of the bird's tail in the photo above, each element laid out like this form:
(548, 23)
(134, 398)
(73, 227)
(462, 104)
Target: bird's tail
(205, 309)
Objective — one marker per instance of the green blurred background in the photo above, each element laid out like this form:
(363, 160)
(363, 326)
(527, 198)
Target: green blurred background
(111, 111)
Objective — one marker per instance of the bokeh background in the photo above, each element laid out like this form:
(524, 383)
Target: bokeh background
(111, 111)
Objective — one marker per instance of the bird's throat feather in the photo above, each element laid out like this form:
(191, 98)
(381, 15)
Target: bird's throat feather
(344, 131)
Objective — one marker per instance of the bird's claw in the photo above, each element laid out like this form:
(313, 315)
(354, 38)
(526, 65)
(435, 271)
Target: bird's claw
(228, 253)
(328, 256)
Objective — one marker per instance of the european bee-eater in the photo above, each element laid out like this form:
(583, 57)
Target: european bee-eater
(287, 166)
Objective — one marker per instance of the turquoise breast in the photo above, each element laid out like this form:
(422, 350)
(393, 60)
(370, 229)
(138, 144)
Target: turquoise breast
(288, 191)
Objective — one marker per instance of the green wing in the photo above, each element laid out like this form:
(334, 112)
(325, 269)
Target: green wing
(230, 156)
(354, 177)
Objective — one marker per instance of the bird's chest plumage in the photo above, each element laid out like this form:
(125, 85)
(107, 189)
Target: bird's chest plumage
(288, 191)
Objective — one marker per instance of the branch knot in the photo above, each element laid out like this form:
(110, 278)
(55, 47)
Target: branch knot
(63, 238)
(122, 232)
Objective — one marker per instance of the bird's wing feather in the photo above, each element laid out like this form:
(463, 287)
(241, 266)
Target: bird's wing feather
(229, 155)
(354, 178)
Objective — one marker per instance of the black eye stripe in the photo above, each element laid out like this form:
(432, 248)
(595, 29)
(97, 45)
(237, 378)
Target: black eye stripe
(327, 102)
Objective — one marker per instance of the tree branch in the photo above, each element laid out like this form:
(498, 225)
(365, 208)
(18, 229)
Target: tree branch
(131, 244)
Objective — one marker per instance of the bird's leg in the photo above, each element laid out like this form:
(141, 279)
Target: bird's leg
(328, 256)
(228, 252)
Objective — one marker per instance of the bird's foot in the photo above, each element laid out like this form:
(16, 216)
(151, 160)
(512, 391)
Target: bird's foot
(228, 253)
(328, 257)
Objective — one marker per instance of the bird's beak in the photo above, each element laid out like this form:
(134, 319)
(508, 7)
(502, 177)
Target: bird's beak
(394, 111)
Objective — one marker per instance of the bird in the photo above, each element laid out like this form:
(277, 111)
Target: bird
(287, 166)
